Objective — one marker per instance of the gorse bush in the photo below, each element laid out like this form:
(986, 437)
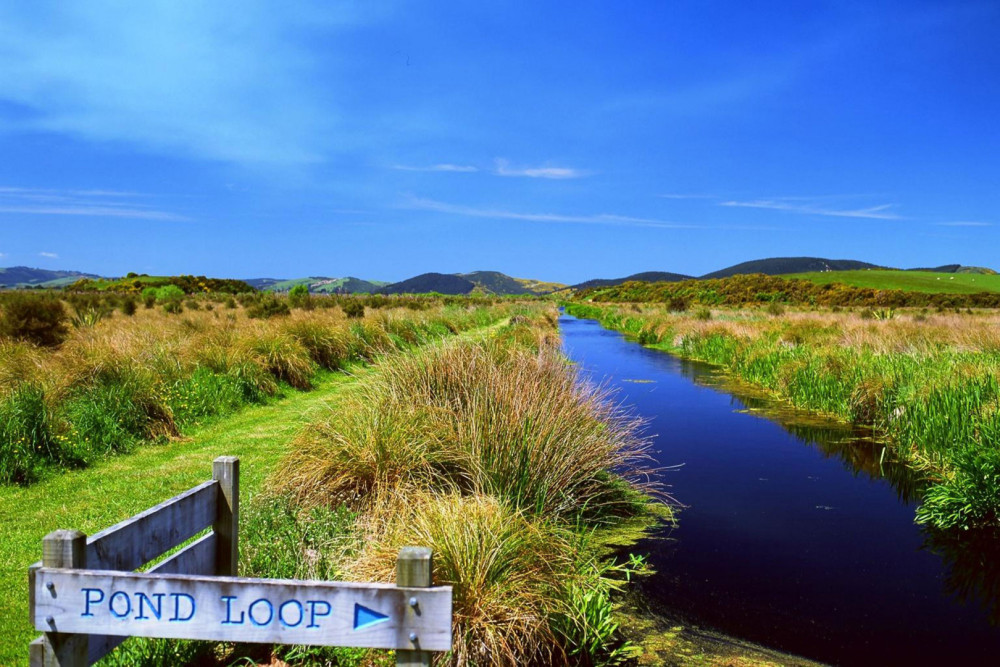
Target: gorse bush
(266, 307)
(353, 308)
(38, 319)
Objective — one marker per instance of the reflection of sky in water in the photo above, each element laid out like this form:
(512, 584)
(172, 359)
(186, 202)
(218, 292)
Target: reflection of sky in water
(794, 534)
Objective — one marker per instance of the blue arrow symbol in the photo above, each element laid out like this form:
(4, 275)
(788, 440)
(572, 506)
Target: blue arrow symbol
(363, 616)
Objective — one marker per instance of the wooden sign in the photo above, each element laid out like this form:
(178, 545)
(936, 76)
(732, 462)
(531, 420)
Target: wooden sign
(368, 615)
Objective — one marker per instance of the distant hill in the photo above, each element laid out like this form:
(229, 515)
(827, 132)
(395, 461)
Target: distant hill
(776, 266)
(24, 276)
(495, 282)
(442, 283)
(485, 282)
(644, 277)
(958, 268)
(319, 284)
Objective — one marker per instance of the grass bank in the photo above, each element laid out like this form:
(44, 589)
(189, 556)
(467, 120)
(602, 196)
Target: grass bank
(117, 382)
(928, 383)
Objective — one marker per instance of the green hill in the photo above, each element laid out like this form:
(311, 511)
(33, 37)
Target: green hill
(776, 266)
(644, 277)
(25, 276)
(931, 282)
(441, 283)
(319, 284)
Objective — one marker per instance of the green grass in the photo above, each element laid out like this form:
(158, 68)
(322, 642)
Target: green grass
(98, 497)
(912, 281)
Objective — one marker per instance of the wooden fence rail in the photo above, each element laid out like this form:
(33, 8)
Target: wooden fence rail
(87, 599)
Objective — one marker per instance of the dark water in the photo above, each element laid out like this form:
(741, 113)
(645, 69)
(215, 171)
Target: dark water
(794, 536)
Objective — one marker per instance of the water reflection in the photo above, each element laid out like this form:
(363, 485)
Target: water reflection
(972, 562)
(855, 447)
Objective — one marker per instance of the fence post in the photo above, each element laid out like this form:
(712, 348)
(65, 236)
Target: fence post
(226, 469)
(413, 569)
(60, 549)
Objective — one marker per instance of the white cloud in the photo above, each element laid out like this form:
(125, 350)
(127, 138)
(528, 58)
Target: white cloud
(461, 168)
(501, 214)
(880, 212)
(50, 255)
(229, 81)
(503, 168)
(92, 203)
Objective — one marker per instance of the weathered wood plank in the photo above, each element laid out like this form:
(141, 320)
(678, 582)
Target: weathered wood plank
(58, 648)
(196, 558)
(138, 540)
(226, 471)
(414, 566)
(243, 610)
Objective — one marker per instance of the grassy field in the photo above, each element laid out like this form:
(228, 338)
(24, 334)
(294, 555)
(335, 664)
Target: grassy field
(914, 281)
(927, 382)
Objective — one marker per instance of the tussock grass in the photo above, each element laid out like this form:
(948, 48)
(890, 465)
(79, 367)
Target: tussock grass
(484, 417)
(495, 454)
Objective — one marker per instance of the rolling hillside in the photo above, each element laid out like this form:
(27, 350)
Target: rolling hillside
(776, 266)
(442, 283)
(644, 277)
(24, 276)
(319, 284)
(932, 282)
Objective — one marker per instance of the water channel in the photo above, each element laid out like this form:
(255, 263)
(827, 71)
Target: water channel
(796, 533)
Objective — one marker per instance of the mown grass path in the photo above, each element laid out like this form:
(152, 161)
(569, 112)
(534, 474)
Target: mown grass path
(97, 497)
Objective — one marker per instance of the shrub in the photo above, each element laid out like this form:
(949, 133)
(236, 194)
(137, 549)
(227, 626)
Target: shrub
(703, 314)
(267, 307)
(128, 307)
(677, 304)
(169, 293)
(353, 308)
(33, 318)
(173, 307)
(298, 297)
(777, 310)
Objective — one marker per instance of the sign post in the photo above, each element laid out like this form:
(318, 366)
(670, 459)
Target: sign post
(86, 600)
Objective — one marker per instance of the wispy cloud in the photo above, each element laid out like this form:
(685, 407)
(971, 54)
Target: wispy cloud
(503, 168)
(964, 223)
(675, 195)
(460, 168)
(49, 255)
(806, 207)
(91, 203)
(226, 81)
(558, 218)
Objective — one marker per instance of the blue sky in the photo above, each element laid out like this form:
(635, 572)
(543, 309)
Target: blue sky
(559, 141)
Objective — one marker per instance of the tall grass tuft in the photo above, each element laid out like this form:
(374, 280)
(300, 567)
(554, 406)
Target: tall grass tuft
(482, 417)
